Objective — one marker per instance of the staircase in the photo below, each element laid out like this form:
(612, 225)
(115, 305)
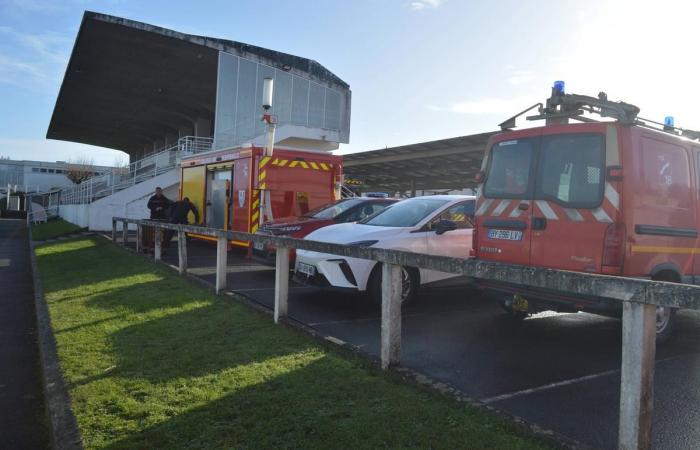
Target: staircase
(149, 167)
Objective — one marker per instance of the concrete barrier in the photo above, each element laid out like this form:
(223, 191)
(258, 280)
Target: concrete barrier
(638, 298)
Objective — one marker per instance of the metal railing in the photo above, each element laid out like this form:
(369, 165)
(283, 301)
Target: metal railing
(638, 297)
(144, 169)
(42, 206)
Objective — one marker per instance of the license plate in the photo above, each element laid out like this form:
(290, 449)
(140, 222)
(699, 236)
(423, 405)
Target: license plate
(506, 235)
(520, 303)
(306, 269)
(259, 246)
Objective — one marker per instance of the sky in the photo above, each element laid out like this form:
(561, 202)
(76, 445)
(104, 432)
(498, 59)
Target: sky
(419, 70)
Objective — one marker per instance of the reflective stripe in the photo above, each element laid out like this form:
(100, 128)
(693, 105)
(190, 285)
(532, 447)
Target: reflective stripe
(547, 210)
(500, 208)
(517, 211)
(573, 214)
(612, 196)
(601, 215)
(484, 206)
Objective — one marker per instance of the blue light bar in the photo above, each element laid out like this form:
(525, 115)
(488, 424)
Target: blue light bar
(668, 121)
(559, 86)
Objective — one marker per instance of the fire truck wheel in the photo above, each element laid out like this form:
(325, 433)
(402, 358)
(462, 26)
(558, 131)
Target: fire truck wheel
(665, 323)
(409, 279)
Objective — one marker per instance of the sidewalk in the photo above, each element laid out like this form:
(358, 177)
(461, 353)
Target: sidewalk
(22, 417)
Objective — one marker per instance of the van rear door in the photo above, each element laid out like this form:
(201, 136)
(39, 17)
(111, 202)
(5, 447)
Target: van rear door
(503, 207)
(570, 214)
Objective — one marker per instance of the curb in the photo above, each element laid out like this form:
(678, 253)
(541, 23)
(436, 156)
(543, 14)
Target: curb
(408, 375)
(63, 427)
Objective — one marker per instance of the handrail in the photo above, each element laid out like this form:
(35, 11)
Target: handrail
(638, 299)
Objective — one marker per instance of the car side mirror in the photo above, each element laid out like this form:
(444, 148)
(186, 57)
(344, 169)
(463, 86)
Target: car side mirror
(444, 226)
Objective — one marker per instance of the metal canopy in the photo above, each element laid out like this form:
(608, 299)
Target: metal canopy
(129, 84)
(443, 164)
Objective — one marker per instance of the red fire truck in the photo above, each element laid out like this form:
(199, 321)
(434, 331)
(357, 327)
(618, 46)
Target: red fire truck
(226, 186)
(616, 196)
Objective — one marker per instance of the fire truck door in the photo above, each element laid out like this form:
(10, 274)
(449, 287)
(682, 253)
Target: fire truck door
(218, 199)
(571, 209)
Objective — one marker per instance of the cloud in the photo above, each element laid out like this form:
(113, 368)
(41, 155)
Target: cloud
(519, 77)
(423, 4)
(50, 150)
(32, 58)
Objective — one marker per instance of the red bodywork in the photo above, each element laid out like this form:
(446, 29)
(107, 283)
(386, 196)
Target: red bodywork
(642, 223)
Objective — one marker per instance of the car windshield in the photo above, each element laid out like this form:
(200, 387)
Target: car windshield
(331, 210)
(406, 213)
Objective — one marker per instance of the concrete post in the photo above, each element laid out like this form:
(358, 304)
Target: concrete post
(157, 241)
(139, 238)
(125, 233)
(114, 230)
(637, 381)
(221, 262)
(182, 252)
(391, 315)
(281, 283)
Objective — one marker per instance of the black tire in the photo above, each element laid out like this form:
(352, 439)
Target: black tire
(411, 284)
(665, 323)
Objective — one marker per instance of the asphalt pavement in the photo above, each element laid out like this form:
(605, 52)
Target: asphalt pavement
(560, 371)
(22, 414)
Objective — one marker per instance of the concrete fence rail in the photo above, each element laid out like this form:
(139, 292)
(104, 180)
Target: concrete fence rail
(638, 299)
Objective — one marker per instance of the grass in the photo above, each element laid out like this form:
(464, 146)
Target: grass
(153, 361)
(52, 229)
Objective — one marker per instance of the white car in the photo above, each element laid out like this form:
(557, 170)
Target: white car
(433, 225)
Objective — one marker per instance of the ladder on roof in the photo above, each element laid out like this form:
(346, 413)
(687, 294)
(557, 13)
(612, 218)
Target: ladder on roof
(560, 107)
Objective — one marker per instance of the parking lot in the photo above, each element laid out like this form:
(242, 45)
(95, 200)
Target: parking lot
(559, 371)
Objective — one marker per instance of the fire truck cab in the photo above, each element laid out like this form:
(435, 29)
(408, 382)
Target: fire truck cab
(227, 186)
(609, 197)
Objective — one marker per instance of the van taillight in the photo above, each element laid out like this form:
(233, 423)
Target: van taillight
(614, 248)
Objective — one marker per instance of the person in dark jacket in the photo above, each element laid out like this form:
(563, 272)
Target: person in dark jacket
(180, 209)
(178, 214)
(159, 204)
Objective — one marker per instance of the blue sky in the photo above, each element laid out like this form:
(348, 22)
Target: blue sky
(419, 69)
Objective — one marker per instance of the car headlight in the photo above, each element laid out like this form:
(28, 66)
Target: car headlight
(367, 243)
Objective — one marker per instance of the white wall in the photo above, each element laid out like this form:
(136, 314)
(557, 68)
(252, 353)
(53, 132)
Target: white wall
(76, 214)
(131, 202)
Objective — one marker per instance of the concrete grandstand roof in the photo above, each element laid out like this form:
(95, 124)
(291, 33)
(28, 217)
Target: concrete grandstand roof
(129, 84)
(442, 164)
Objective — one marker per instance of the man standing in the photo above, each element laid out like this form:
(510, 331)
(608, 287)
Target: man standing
(158, 204)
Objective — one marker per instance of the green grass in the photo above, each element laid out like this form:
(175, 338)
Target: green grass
(153, 361)
(52, 229)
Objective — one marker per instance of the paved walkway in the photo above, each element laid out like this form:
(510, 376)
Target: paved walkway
(22, 418)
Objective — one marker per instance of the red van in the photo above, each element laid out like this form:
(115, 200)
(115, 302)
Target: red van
(610, 197)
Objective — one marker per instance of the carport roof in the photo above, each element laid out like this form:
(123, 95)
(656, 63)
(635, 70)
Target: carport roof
(442, 164)
(129, 84)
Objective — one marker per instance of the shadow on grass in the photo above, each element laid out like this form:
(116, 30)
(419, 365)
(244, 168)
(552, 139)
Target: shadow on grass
(79, 262)
(197, 342)
(144, 296)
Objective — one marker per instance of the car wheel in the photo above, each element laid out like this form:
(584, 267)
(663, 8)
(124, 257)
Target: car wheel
(665, 323)
(409, 284)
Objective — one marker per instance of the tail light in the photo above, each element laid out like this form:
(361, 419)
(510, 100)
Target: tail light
(614, 248)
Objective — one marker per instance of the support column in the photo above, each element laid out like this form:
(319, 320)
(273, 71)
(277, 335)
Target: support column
(139, 238)
(281, 283)
(391, 315)
(114, 230)
(182, 251)
(125, 233)
(221, 262)
(637, 380)
(157, 243)
(202, 127)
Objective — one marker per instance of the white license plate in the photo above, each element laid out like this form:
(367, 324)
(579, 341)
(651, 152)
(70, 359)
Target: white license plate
(259, 246)
(506, 235)
(306, 269)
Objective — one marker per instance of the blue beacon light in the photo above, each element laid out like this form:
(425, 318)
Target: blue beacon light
(669, 122)
(559, 86)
